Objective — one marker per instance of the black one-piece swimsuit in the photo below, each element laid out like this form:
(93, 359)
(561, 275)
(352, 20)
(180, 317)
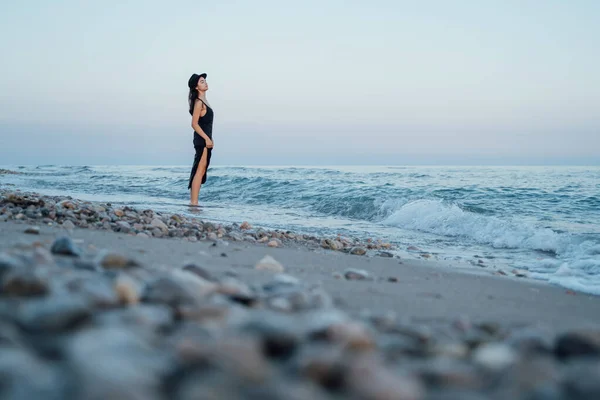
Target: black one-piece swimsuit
(206, 123)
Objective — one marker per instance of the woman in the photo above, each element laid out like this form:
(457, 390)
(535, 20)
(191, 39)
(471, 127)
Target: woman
(202, 122)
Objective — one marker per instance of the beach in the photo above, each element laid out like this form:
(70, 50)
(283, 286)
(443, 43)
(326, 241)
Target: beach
(178, 306)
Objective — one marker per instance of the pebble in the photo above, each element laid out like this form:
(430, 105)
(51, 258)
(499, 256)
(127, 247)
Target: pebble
(24, 282)
(495, 356)
(358, 251)
(127, 290)
(109, 260)
(245, 226)
(578, 344)
(55, 314)
(268, 263)
(33, 230)
(64, 246)
(199, 271)
(157, 223)
(68, 225)
(274, 243)
(356, 274)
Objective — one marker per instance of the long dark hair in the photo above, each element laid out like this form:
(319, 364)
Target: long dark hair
(192, 97)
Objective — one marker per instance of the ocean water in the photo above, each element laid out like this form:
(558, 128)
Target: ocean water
(542, 219)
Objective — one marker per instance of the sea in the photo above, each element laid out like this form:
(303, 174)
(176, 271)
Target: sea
(544, 220)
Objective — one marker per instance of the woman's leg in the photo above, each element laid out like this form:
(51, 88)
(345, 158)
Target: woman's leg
(197, 181)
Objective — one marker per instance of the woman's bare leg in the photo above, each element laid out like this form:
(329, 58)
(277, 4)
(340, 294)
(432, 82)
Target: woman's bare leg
(197, 181)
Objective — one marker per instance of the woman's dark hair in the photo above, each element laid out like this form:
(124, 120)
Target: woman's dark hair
(193, 95)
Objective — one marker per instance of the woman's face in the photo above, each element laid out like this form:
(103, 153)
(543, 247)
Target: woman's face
(202, 85)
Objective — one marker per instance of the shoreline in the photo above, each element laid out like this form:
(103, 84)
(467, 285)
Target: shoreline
(244, 232)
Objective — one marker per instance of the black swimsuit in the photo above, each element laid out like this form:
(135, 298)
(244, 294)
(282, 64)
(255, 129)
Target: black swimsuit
(206, 123)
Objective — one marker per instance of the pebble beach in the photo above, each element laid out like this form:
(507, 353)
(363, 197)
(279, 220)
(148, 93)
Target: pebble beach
(115, 302)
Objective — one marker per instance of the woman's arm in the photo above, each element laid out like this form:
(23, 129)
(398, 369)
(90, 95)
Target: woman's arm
(195, 118)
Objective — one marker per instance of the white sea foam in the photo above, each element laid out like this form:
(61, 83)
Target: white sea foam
(574, 264)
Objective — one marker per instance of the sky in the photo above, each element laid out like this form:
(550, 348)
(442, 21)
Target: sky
(306, 83)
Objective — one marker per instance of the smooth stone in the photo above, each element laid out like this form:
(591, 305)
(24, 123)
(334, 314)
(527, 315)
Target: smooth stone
(356, 274)
(64, 246)
(180, 287)
(68, 225)
(199, 271)
(495, 356)
(157, 223)
(268, 263)
(369, 379)
(240, 357)
(212, 236)
(141, 316)
(97, 291)
(358, 251)
(385, 254)
(286, 279)
(351, 335)
(274, 243)
(245, 225)
(26, 377)
(124, 226)
(582, 380)
(24, 282)
(33, 230)
(109, 260)
(55, 314)
(128, 290)
(585, 343)
(8, 263)
(116, 363)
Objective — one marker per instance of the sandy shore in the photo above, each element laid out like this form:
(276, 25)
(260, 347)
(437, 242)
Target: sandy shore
(424, 290)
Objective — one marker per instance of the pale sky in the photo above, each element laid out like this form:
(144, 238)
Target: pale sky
(304, 82)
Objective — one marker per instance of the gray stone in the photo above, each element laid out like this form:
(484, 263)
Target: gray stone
(578, 344)
(8, 263)
(199, 271)
(582, 380)
(150, 316)
(97, 291)
(358, 251)
(68, 224)
(33, 230)
(56, 314)
(116, 363)
(356, 274)
(157, 223)
(24, 282)
(124, 226)
(181, 287)
(25, 377)
(64, 246)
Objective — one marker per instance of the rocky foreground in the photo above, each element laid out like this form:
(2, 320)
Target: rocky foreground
(84, 323)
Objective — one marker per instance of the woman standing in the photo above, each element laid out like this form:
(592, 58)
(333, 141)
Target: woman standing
(202, 122)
